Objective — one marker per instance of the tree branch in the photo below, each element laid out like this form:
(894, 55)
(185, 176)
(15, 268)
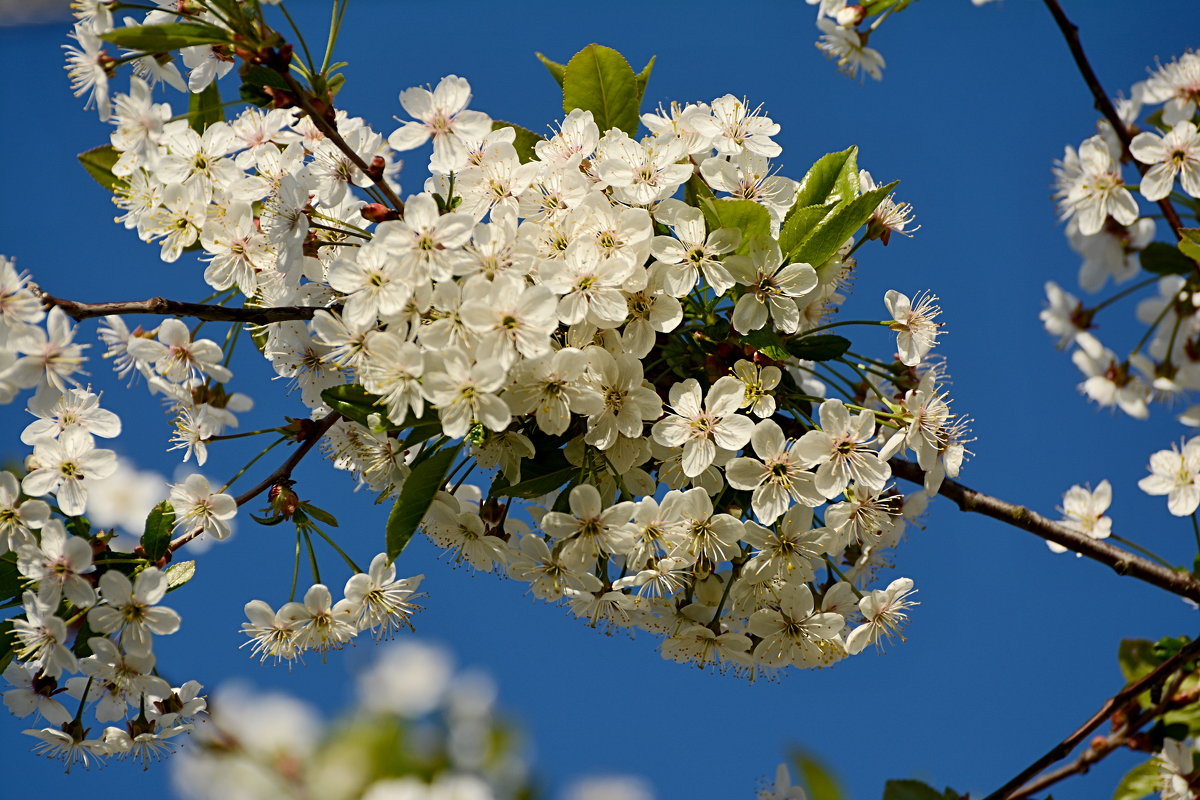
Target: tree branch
(177, 308)
(316, 431)
(1070, 32)
(331, 133)
(1012, 790)
(1121, 561)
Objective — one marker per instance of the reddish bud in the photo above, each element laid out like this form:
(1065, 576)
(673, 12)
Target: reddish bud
(378, 212)
(375, 170)
(283, 500)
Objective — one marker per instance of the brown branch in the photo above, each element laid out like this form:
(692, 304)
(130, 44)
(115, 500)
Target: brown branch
(1070, 32)
(316, 431)
(331, 133)
(1121, 561)
(176, 308)
(1119, 700)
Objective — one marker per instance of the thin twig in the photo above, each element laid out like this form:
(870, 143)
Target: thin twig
(177, 308)
(1121, 561)
(1070, 32)
(1119, 700)
(315, 433)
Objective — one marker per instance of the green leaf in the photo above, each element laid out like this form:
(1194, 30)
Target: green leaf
(416, 497)
(204, 108)
(256, 77)
(833, 231)
(557, 71)
(913, 790)
(1163, 259)
(8, 644)
(745, 215)
(164, 38)
(818, 347)
(600, 80)
(319, 514)
(180, 573)
(1190, 249)
(833, 179)
(524, 141)
(10, 578)
(99, 162)
(157, 535)
(642, 78)
(354, 402)
(1139, 782)
(536, 487)
(766, 342)
(696, 191)
(799, 224)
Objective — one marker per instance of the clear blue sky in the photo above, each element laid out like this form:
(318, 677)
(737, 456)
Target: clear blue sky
(1012, 646)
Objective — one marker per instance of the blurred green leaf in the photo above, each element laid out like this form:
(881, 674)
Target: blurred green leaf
(204, 108)
(915, 790)
(817, 777)
(1161, 258)
(164, 38)
(10, 578)
(416, 496)
(1139, 782)
(600, 80)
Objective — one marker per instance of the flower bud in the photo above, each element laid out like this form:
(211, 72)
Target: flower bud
(850, 16)
(378, 212)
(283, 500)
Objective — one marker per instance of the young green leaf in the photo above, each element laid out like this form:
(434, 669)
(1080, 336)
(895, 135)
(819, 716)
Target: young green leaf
(524, 141)
(416, 497)
(180, 573)
(1139, 782)
(747, 216)
(832, 179)
(799, 224)
(157, 536)
(642, 78)
(600, 80)
(557, 71)
(354, 402)
(319, 514)
(99, 162)
(841, 223)
(168, 37)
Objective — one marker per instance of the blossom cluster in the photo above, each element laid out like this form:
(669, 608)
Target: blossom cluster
(1115, 236)
(625, 331)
